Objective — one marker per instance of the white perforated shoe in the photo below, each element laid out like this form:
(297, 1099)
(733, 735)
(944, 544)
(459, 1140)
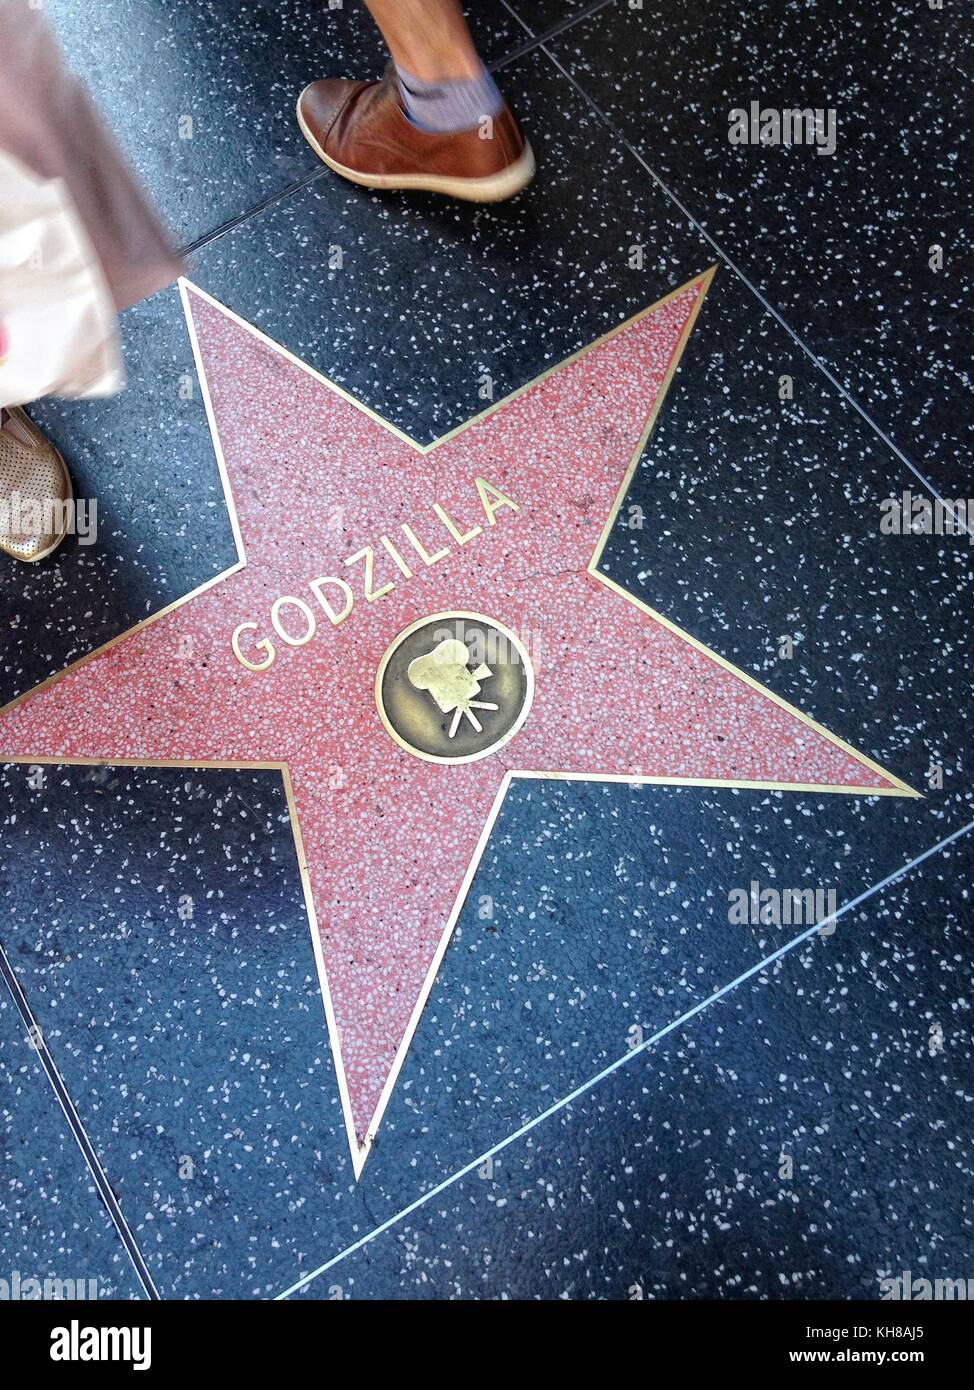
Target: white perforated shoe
(35, 490)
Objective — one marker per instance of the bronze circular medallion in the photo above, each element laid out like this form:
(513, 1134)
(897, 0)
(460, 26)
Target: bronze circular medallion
(454, 687)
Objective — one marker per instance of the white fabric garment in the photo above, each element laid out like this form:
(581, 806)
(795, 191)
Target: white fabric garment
(58, 330)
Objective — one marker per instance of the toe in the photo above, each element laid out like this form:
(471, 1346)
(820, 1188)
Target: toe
(322, 102)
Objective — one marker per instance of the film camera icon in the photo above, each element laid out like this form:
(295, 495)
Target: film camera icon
(429, 684)
(446, 675)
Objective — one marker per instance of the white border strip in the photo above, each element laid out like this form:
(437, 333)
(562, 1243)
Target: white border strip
(76, 1125)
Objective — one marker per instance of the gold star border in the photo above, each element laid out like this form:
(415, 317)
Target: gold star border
(360, 1151)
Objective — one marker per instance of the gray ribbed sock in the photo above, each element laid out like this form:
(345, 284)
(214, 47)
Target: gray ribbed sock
(448, 106)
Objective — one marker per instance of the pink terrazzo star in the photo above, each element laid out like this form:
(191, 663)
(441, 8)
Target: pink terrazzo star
(389, 838)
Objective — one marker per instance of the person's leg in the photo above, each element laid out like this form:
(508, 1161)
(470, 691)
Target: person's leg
(436, 121)
(428, 38)
(443, 85)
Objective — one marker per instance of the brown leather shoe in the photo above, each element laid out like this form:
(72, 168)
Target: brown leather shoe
(360, 130)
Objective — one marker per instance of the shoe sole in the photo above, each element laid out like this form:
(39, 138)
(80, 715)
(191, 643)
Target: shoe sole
(494, 188)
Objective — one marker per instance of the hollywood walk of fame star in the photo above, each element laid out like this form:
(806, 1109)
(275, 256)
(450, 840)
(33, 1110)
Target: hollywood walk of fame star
(350, 535)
